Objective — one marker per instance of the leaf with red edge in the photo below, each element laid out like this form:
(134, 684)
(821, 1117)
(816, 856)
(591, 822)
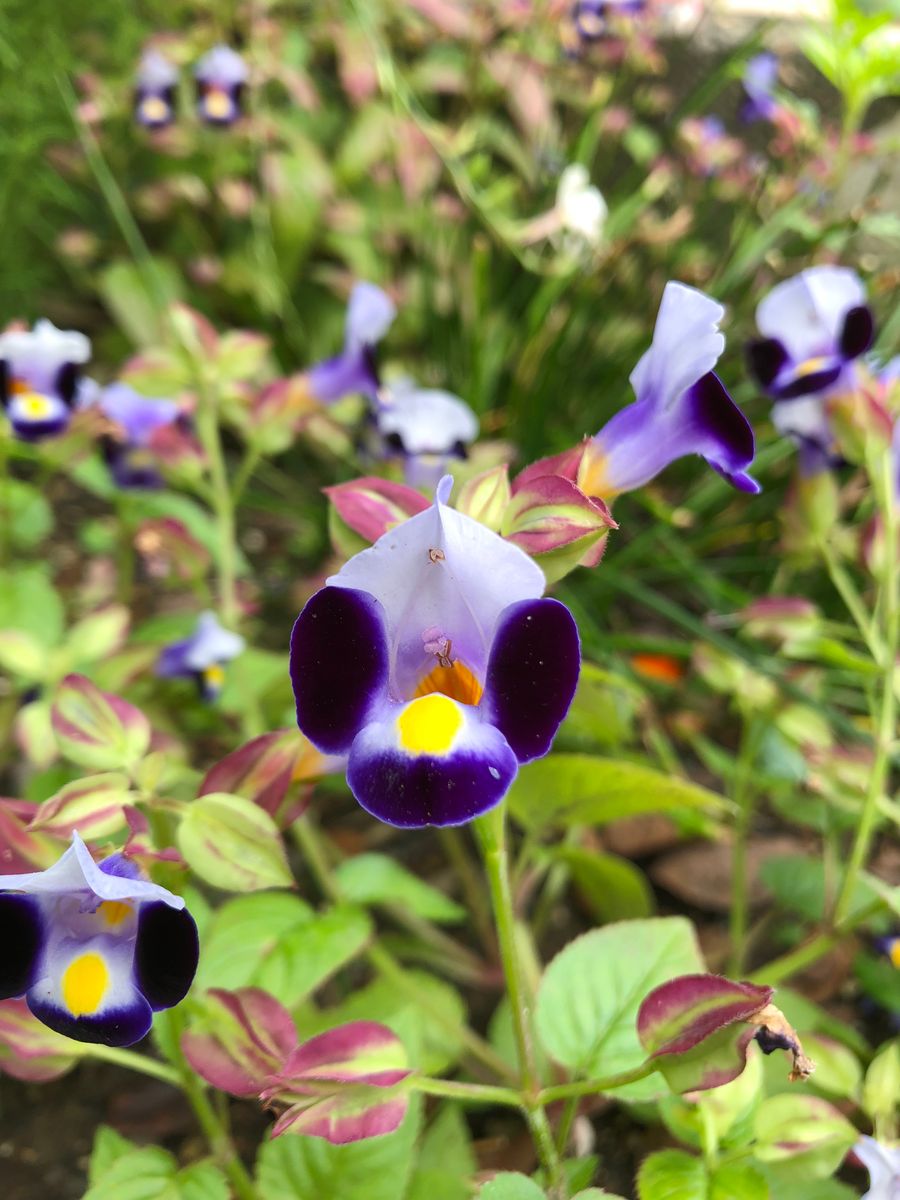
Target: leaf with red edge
(371, 506)
(97, 729)
(29, 1050)
(565, 465)
(486, 497)
(93, 805)
(20, 849)
(552, 519)
(363, 1058)
(696, 1028)
(240, 1040)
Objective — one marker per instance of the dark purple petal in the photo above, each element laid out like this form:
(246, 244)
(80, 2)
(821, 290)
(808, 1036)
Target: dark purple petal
(165, 954)
(114, 1027)
(531, 674)
(791, 385)
(67, 383)
(4, 382)
(765, 358)
(858, 332)
(447, 790)
(339, 665)
(349, 372)
(723, 434)
(23, 938)
(37, 431)
(172, 661)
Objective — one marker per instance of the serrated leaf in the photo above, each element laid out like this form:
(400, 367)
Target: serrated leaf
(588, 1001)
(232, 844)
(509, 1185)
(446, 1161)
(375, 878)
(672, 1175)
(562, 790)
(304, 957)
(614, 888)
(738, 1181)
(243, 933)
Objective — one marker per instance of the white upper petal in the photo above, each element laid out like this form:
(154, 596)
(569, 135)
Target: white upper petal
(370, 314)
(686, 345)
(211, 643)
(883, 1165)
(428, 420)
(806, 313)
(156, 72)
(44, 346)
(222, 66)
(76, 872)
(805, 418)
(440, 571)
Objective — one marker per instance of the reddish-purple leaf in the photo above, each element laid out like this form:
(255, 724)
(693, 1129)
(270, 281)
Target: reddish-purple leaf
(28, 1049)
(97, 729)
(371, 506)
(680, 1014)
(241, 1041)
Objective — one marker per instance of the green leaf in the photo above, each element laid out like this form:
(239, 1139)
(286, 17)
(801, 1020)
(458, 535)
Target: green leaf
(307, 955)
(602, 711)
(29, 601)
(377, 879)
(671, 1175)
(510, 1186)
(581, 789)
(242, 935)
(233, 844)
(23, 655)
(108, 1146)
(614, 888)
(25, 513)
(127, 291)
(446, 1163)
(805, 1137)
(738, 1181)
(798, 883)
(588, 1002)
(309, 1168)
(126, 1172)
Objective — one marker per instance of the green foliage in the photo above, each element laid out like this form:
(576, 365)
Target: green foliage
(120, 1170)
(377, 879)
(233, 844)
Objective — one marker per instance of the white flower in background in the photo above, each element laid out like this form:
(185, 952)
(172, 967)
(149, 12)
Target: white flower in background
(883, 1165)
(580, 206)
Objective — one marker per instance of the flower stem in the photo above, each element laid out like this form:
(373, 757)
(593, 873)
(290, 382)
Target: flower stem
(222, 503)
(885, 710)
(477, 1093)
(743, 799)
(133, 1061)
(492, 830)
(595, 1087)
(814, 949)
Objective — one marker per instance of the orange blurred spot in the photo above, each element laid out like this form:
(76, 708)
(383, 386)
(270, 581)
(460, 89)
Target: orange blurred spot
(662, 668)
(455, 681)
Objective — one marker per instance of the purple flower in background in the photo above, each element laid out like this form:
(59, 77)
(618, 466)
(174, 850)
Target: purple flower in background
(681, 408)
(883, 1165)
(432, 660)
(95, 949)
(370, 314)
(201, 656)
(427, 426)
(759, 79)
(807, 422)
(221, 76)
(154, 91)
(137, 419)
(39, 378)
(591, 18)
(813, 325)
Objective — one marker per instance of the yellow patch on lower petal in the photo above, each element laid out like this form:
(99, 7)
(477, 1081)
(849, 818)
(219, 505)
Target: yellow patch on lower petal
(455, 681)
(894, 952)
(811, 366)
(84, 984)
(218, 104)
(34, 406)
(214, 676)
(115, 912)
(154, 108)
(429, 725)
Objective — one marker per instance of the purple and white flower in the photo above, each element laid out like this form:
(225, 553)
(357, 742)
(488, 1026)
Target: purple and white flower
(682, 407)
(432, 660)
(758, 81)
(883, 1165)
(427, 426)
(136, 419)
(39, 378)
(202, 656)
(813, 326)
(95, 949)
(154, 91)
(591, 18)
(221, 76)
(370, 314)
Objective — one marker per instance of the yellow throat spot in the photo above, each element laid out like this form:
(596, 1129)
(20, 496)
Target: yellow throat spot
(154, 108)
(115, 911)
(593, 476)
(429, 725)
(84, 984)
(214, 676)
(218, 103)
(894, 952)
(34, 406)
(811, 366)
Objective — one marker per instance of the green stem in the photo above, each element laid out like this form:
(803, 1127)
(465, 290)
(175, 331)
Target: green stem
(885, 714)
(383, 961)
(132, 1061)
(814, 949)
(743, 798)
(594, 1087)
(477, 1093)
(492, 830)
(853, 601)
(222, 503)
(472, 885)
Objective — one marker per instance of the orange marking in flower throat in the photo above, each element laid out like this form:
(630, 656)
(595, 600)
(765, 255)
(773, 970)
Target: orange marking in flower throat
(455, 681)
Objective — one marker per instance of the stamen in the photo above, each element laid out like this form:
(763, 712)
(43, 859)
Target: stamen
(115, 911)
(436, 555)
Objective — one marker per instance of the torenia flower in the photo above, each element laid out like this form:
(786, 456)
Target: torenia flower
(581, 207)
(429, 427)
(590, 19)
(370, 314)
(202, 656)
(136, 419)
(154, 91)
(883, 1165)
(813, 327)
(682, 407)
(221, 76)
(39, 378)
(95, 949)
(432, 660)
(759, 78)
